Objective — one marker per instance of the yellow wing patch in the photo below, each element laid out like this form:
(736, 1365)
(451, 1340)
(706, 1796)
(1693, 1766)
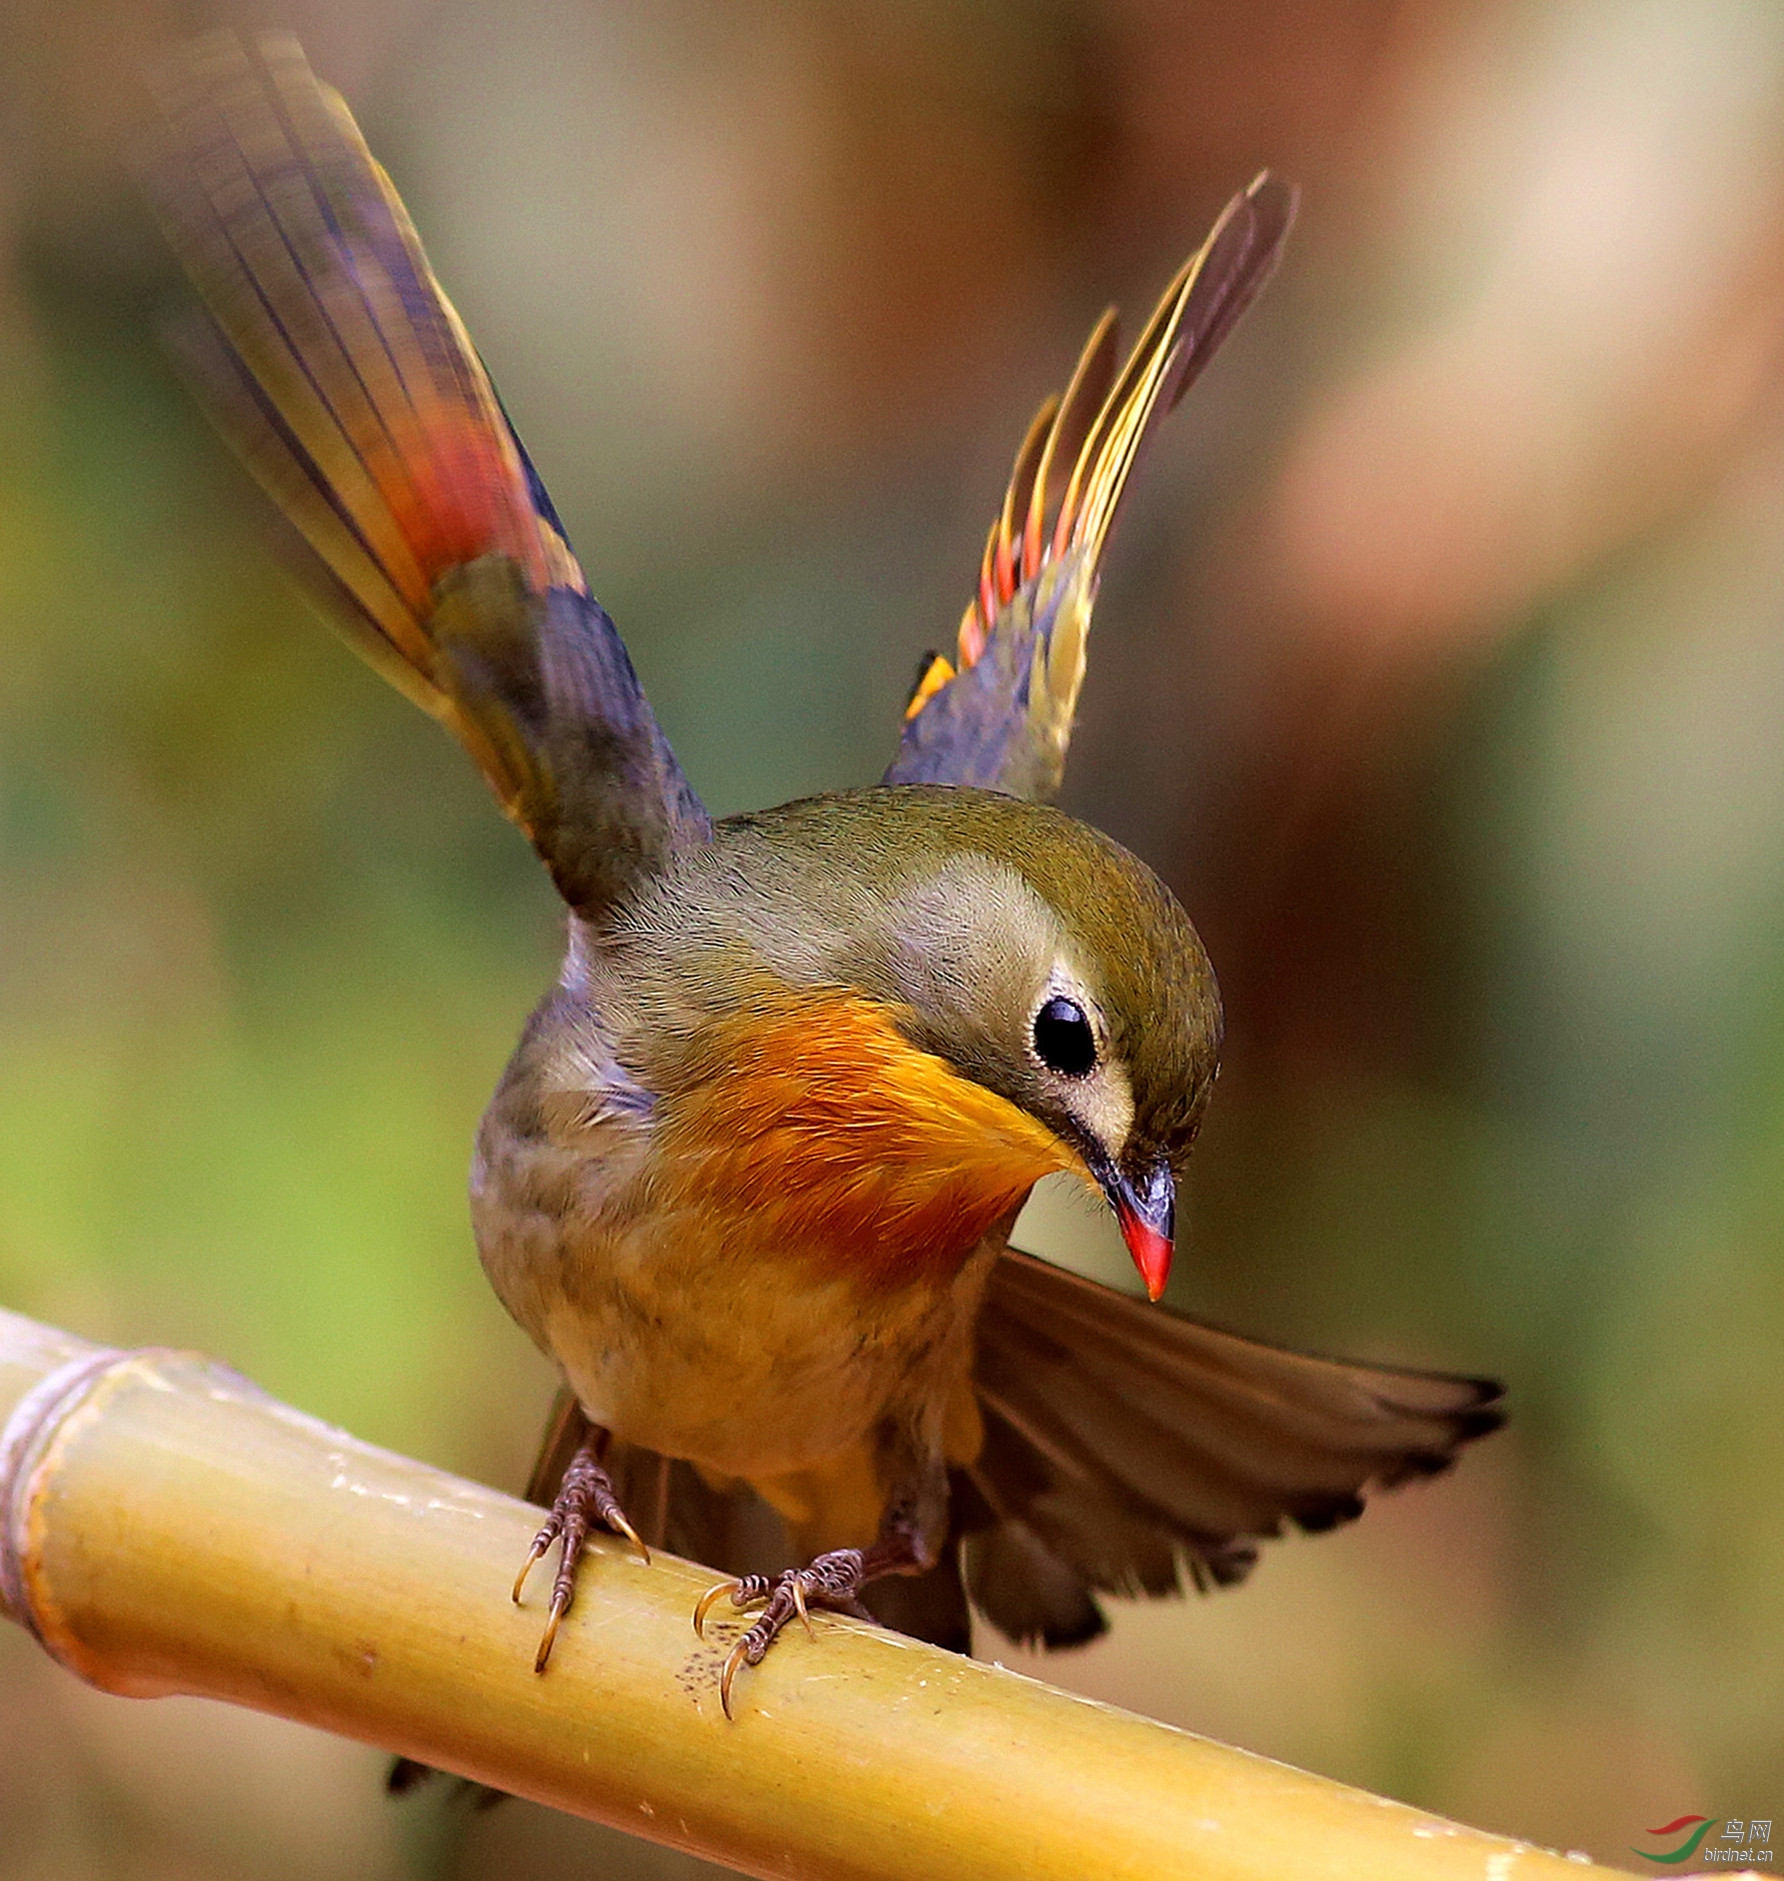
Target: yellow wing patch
(934, 677)
(1074, 464)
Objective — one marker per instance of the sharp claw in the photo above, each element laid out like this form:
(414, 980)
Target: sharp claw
(733, 1659)
(549, 1637)
(618, 1521)
(541, 1542)
(585, 1496)
(833, 1580)
(708, 1601)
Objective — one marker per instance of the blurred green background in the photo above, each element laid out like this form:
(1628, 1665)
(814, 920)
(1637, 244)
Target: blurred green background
(1440, 668)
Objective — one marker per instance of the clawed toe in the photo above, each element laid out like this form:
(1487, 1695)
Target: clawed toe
(733, 1659)
(614, 1516)
(744, 1591)
(541, 1542)
(833, 1581)
(752, 1647)
(584, 1497)
(708, 1601)
(560, 1605)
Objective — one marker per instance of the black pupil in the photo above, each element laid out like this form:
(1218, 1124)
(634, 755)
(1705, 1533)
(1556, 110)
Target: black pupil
(1063, 1038)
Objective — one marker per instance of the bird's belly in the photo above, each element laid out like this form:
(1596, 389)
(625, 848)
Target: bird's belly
(681, 1335)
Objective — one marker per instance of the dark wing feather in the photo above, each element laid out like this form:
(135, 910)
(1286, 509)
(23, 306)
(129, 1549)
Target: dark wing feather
(1120, 1437)
(332, 362)
(1122, 1442)
(1003, 718)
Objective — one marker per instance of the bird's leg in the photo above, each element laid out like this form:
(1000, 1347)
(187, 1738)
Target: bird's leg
(832, 1580)
(584, 1496)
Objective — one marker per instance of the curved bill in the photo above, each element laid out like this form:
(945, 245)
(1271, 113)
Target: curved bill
(1145, 1205)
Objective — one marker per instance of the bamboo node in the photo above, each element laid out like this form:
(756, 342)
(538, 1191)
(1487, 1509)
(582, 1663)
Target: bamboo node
(34, 1420)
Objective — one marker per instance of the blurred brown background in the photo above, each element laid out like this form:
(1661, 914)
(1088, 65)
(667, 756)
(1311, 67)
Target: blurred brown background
(1440, 668)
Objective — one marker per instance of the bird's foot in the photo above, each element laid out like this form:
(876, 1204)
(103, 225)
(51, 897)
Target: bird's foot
(833, 1581)
(584, 1497)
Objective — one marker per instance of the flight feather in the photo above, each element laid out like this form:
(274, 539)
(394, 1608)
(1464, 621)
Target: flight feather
(330, 359)
(999, 714)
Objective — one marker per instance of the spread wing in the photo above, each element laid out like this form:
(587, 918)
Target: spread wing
(1121, 1440)
(1122, 1443)
(1001, 718)
(331, 361)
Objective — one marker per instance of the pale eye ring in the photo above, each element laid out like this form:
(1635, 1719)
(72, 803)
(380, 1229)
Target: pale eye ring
(1063, 1039)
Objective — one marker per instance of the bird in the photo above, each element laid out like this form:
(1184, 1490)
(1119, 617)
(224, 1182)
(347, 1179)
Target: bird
(750, 1177)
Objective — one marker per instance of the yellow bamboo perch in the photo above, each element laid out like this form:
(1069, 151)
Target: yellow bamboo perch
(165, 1527)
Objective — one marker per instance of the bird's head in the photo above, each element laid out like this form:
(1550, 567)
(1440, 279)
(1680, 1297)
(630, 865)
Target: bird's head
(1033, 957)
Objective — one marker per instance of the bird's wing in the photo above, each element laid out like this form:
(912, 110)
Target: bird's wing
(331, 361)
(1122, 1444)
(1000, 716)
(1121, 1440)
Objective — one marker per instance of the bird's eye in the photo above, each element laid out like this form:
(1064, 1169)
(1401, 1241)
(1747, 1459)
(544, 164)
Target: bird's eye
(1063, 1040)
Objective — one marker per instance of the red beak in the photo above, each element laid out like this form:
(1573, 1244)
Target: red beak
(1150, 1249)
(1145, 1206)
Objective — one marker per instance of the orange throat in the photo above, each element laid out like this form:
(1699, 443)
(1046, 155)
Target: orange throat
(842, 1142)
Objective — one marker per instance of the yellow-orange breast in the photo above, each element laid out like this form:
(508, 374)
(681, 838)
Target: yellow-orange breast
(786, 1259)
(817, 1118)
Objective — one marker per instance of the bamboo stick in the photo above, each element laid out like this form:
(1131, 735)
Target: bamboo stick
(171, 1529)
